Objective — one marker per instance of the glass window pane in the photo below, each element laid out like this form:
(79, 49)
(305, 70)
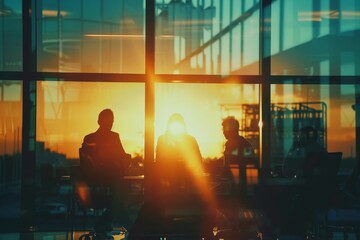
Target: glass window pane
(225, 40)
(327, 108)
(204, 106)
(11, 35)
(104, 36)
(194, 162)
(10, 148)
(315, 38)
(66, 113)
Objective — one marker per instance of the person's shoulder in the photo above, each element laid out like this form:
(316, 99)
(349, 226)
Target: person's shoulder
(114, 133)
(89, 136)
(190, 137)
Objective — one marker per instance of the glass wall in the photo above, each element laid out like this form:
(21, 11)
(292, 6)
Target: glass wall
(101, 37)
(66, 113)
(312, 38)
(207, 37)
(203, 107)
(211, 61)
(11, 35)
(10, 148)
(328, 108)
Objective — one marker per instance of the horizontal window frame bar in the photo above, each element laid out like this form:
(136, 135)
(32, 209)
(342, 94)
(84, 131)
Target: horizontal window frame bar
(185, 78)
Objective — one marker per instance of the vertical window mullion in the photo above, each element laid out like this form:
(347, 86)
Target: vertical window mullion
(29, 117)
(265, 67)
(149, 94)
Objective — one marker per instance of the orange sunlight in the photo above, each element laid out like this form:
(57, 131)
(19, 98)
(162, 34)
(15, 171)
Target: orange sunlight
(67, 111)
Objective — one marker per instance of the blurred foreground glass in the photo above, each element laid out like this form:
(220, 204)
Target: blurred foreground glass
(315, 38)
(328, 108)
(207, 37)
(10, 148)
(97, 37)
(11, 35)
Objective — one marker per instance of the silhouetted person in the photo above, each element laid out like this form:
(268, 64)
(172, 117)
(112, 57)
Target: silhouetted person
(178, 155)
(238, 151)
(108, 165)
(305, 153)
(236, 146)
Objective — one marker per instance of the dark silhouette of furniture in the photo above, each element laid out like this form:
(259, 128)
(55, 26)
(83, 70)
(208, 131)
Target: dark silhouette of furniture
(90, 198)
(299, 206)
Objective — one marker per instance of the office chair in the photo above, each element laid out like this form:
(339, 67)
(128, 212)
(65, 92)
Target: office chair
(90, 196)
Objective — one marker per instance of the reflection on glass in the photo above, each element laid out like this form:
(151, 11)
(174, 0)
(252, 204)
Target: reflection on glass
(328, 108)
(11, 35)
(104, 36)
(203, 107)
(314, 37)
(10, 148)
(207, 37)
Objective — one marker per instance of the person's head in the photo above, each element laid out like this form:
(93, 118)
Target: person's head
(307, 135)
(106, 119)
(230, 127)
(176, 124)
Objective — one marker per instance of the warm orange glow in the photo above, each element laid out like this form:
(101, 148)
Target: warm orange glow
(317, 16)
(126, 36)
(350, 15)
(176, 128)
(83, 192)
(69, 111)
(54, 13)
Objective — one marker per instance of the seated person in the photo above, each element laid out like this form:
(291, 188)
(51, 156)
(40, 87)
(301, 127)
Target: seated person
(105, 161)
(236, 146)
(238, 151)
(105, 151)
(304, 154)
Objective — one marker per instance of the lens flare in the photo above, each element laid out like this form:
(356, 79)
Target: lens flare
(176, 128)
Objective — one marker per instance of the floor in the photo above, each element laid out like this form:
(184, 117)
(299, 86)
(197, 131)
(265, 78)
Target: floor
(344, 224)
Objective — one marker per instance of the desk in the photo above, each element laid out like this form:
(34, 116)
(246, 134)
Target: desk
(283, 182)
(135, 184)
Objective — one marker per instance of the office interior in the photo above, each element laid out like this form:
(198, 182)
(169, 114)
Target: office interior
(274, 65)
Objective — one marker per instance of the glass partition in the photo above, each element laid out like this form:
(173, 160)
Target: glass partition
(11, 35)
(204, 106)
(207, 37)
(10, 148)
(330, 109)
(66, 113)
(313, 38)
(192, 173)
(199, 110)
(101, 37)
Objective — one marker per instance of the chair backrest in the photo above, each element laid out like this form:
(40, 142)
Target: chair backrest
(86, 160)
(89, 168)
(91, 190)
